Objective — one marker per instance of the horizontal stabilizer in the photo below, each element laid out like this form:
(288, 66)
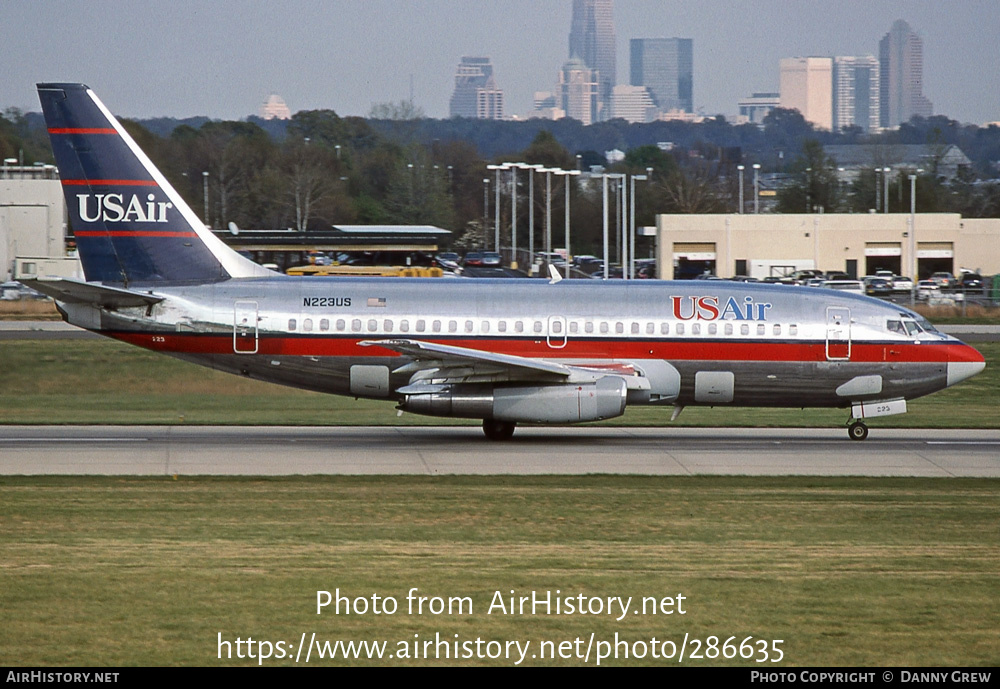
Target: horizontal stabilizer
(76, 292)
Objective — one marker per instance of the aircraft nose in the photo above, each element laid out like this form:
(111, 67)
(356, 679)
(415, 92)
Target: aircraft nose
(964, 362)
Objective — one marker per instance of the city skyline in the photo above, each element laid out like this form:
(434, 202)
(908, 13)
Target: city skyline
(183, 58)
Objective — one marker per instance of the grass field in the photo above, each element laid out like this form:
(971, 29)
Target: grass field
(857, 572)
(104, 381)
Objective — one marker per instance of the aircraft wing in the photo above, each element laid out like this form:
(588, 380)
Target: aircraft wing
(77, 292)
(446, 364)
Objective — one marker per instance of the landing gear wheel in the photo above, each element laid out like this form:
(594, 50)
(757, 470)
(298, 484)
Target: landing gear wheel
(498, 430)
(857, 431)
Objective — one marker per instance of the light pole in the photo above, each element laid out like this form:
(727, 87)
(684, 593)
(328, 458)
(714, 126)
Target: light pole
(756, 188)
(486, 207)
(885, 195)
(741, 168)
(496, 224)
(913, 235)
(204, 176)
(631, 231)
(567, 174)
(605, 177)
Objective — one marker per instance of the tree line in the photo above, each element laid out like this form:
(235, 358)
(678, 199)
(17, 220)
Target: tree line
(397, 167)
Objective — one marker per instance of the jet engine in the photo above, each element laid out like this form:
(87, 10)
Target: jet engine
(568, 403)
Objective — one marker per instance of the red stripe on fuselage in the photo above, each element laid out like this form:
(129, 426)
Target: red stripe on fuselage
(132, 233)
(82, 130)
(109, 182)
(593, 350)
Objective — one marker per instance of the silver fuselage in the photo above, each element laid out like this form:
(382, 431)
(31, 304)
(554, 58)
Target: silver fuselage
(699, 342)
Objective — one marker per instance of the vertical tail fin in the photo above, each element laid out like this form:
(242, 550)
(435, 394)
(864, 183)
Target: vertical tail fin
(131, 225)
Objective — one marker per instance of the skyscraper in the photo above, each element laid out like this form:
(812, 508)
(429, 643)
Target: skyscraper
(806, 85)
(856, 93)
(901, 58)
(592, 40)
(476, 92)
(579, 88)
(664, 66)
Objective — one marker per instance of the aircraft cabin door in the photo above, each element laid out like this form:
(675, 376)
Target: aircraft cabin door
(245, 327)
(838, 333)
(556, 336)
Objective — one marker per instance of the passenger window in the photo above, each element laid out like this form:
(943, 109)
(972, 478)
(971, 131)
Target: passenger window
(557, 327)
(793, 330)
(604, 327)
(777, 329)
(589, 327)
(404, 326)
(729, 328)
(744, 329)
(291, 324)
(436, 326)
(664, 328)
(574, 327)
(324, 324)
(421, 326)
(519, 326)
(537, 326)
(453, 326)
(307, 324)
(619, 328)
(761, 329)
(679, 329)
(387, 324)
(372, 325)
(712, 328)
(635, 328)
(502, 326)
(468, 326)
(696, 329)
(356, 325)
(485, 327)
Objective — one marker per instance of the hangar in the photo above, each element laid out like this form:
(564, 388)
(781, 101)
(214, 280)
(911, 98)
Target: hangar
(858, 244)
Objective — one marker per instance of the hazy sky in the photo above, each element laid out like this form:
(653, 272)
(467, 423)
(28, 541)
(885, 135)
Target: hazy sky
(222, 58)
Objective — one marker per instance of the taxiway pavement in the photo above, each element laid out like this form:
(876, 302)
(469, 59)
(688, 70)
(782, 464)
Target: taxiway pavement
(432, 450)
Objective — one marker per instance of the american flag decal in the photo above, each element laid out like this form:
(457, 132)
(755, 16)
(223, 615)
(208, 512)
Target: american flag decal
(376, 301)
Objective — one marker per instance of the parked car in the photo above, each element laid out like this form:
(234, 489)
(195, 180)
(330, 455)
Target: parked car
(927, 289)
(850, 286)
(943, 280)
(972, 281)
(877, 287)
(491, 258)
(901, 284)
(474, 258)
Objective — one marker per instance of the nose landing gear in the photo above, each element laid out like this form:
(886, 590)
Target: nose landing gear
(857, 431)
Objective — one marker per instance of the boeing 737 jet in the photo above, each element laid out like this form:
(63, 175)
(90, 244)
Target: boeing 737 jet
(504, 351)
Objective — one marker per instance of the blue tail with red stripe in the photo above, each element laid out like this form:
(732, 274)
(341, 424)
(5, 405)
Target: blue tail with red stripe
(131, 226)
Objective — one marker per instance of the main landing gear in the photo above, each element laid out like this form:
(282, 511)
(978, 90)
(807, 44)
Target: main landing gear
(498, 430)
(857, 431)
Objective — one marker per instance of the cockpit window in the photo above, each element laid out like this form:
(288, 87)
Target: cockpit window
(911, 328)
(895, 327)
(925, 325)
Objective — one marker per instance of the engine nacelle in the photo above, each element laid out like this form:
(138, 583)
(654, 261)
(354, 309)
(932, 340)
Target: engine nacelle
(602, 399)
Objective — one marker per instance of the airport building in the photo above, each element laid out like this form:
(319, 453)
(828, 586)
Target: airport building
(775, 245)
(33, 221)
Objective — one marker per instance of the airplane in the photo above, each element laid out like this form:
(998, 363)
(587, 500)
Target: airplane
(503, 351)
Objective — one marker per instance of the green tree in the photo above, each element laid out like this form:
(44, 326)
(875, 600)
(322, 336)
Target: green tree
(816, 184)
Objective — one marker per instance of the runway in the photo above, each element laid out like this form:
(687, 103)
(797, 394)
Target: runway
(276, 451)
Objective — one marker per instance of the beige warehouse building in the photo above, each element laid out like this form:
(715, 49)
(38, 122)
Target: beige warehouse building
(857, 244)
